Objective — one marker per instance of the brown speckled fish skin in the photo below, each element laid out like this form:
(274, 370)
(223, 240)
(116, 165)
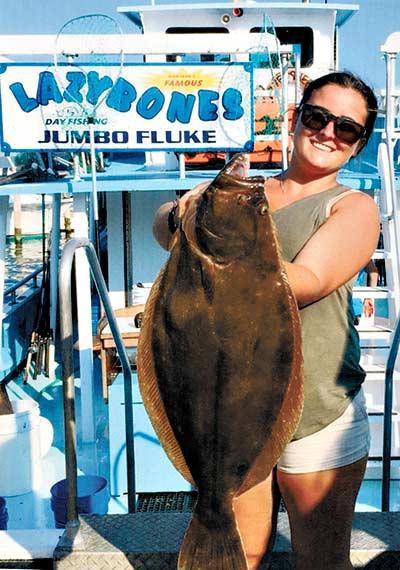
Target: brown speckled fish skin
(219, 359)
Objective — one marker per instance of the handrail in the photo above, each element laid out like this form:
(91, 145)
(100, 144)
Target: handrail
(391, 197)
(68, 373)
(13, 288)
(387, 419)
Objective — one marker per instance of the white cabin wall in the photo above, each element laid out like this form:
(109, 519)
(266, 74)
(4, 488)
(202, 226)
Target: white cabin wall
(322, 21)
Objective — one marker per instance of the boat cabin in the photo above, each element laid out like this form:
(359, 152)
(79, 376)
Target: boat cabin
(304, 34)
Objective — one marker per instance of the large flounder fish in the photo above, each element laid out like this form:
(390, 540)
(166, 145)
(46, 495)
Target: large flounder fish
(219, 358)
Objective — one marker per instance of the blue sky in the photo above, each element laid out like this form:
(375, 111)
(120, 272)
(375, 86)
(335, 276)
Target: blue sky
(360, 40)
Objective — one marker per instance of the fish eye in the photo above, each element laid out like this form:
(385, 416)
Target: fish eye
(263, 210)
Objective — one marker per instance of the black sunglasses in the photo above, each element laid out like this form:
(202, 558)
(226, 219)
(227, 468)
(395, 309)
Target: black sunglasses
(316, 118)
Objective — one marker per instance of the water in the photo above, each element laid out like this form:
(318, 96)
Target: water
(20, 265)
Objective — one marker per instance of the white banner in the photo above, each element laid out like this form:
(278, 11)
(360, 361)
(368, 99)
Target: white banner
(172, 106)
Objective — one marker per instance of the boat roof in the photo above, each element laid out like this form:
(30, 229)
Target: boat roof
(343, 11)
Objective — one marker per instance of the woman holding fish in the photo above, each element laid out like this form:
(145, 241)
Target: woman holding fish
(326, 235)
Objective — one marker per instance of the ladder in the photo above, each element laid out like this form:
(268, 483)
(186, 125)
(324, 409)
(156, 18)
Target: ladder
(379, 342)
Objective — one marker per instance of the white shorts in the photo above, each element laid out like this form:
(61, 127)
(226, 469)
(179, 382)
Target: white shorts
(342, 442)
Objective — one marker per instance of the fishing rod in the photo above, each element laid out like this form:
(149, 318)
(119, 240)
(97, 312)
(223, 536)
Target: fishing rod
(38, 355)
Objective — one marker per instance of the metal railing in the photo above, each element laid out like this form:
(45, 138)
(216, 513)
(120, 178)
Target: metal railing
(390, 50)
(387, 419)
(14, 288)
(68, 373)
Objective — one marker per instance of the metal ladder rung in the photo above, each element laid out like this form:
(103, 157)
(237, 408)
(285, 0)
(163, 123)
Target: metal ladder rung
(361, 292)
(381, 254)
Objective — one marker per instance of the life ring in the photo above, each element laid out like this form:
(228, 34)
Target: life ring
(276, 81)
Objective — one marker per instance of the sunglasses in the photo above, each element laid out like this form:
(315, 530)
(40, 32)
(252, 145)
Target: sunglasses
(316, 118)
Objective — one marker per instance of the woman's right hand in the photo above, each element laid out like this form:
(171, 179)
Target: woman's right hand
(190, 195)
(160, 224)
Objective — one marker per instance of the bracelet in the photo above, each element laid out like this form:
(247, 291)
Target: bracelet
(172, 223)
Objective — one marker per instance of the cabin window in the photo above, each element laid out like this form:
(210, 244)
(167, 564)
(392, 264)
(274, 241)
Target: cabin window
(204, 56)
(302, 36)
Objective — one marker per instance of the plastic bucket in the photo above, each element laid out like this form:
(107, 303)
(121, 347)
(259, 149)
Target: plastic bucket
(25, 437)
(93, 497)
(3, 514)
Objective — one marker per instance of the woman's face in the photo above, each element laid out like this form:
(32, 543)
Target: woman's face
(322, 152)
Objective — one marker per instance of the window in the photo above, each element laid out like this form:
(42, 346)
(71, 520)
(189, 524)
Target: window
(303, 36)
(199, 30)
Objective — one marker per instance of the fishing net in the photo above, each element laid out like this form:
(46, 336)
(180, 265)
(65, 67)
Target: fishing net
(265, 57)
(88, 61)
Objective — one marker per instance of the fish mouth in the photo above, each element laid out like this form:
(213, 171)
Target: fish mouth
(212, 234)
(226, 215)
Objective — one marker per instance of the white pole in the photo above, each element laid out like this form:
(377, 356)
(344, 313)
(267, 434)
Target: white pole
(297, 68)
(285, 122)
(5, 358)
(77, 168)
(54, 253)
(83, 160)
(182, 166)
(115, 247)
(390, 115)
(95, 204)
(84, 306)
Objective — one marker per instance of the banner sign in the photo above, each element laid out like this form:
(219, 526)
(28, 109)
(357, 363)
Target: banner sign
(172, 106)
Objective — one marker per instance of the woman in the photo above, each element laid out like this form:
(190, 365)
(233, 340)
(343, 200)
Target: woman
(327, 234)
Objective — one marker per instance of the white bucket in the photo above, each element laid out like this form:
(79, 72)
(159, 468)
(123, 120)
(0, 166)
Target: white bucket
(25, 437)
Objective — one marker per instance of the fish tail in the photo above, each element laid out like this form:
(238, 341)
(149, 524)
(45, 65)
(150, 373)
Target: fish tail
(216, 548)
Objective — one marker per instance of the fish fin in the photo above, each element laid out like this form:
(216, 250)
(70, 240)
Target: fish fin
(213, 548)
(148, 386)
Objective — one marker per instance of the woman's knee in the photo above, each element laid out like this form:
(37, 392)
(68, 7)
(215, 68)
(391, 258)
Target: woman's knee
(320, 507)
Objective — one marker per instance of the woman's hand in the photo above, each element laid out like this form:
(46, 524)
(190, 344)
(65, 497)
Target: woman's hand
(190, 195)
(160, 224)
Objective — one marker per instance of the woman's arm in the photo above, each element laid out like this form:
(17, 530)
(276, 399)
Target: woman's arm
(337, 251)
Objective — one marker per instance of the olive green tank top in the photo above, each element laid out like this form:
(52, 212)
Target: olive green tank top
(331, 349)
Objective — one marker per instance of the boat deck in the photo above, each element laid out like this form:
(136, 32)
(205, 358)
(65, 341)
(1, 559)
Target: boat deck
(152, 541)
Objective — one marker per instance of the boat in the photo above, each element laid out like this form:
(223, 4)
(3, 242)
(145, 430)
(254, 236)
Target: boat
(287, 43)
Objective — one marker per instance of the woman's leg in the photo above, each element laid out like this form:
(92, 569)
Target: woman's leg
(320, 507)
(255, 513)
